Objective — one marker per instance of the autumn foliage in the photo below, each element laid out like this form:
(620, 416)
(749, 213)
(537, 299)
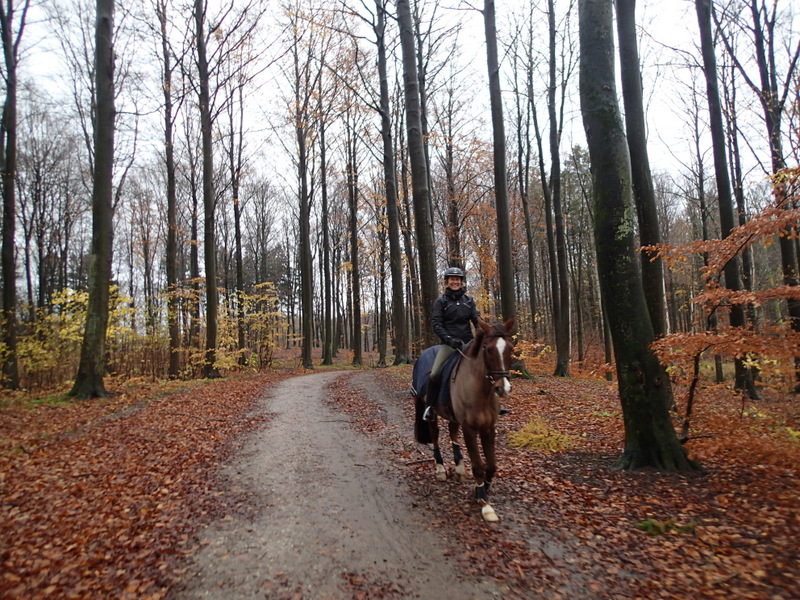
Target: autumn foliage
(101, 498)
(572, 526)
(770, 346)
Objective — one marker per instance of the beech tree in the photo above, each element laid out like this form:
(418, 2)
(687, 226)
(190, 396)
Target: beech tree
(504, 256)
(644, 387)
(11, 30)
(644, 196)
(91, 369)
(423, 219)
(733, 277)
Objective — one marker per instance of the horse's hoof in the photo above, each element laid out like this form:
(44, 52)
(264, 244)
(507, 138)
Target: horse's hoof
(461, 473)
(441, 474)
(488, 514)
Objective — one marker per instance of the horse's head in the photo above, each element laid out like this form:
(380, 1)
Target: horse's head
(497, 345)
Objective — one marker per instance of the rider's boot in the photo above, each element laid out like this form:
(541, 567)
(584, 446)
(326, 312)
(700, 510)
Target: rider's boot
(430, 397)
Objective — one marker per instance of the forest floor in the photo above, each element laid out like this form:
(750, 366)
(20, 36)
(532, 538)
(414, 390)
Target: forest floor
(206, 489)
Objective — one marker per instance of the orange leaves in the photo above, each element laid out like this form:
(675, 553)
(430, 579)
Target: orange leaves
(101, 497)
(568, 519)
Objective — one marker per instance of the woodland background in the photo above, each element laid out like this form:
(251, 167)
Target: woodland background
(247, 149)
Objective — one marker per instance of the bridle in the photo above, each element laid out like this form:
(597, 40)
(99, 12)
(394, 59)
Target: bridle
(492, 375)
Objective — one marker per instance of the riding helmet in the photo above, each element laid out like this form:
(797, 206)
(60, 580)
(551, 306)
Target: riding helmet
(454, 272)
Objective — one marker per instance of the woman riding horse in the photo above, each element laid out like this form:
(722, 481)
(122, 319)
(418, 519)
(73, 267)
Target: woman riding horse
(453, 312)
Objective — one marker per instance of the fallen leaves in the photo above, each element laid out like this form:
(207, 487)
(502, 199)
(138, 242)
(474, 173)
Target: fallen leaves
(569, 519)
(101, 498)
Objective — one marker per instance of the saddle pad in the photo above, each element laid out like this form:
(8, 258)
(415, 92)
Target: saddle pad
(422, 372)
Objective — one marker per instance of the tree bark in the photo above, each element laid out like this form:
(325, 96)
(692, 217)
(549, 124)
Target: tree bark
(505, 262)
(8, 161)
(355, 273)
(91, 369)
(644, 387)
(423, 219)
(644, 196)
(171, 259)
(402, 352)
(209, 199)
(733, 277)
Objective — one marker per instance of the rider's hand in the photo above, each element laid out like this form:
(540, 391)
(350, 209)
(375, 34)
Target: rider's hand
(455, 343)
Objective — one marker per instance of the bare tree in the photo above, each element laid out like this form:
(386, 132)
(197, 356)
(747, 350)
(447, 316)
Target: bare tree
(505, 261)
(644, 386)
(644, 197)
(423, 218)
(91, 369)
(12, 37)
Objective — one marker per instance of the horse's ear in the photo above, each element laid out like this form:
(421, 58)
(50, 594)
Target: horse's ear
(484, 326)
(509, 325)
(472, 351)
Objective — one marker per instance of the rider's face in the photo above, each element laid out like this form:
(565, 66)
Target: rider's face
(454, 283)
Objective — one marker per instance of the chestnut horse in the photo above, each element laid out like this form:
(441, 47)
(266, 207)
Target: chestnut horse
(477, 383)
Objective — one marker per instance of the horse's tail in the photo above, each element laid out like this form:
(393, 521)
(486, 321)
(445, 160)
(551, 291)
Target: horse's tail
(422, 432)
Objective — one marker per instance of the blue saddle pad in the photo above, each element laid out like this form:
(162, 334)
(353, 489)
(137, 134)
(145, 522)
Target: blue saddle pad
(422, 372)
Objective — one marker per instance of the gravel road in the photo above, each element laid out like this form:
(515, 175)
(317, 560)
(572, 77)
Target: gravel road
(330, 521)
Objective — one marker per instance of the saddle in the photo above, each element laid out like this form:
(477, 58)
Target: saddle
(422, 372)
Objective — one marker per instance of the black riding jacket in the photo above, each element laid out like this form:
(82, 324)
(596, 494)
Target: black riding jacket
(452, 314)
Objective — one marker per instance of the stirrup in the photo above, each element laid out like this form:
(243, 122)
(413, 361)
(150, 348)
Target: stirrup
(429, 415)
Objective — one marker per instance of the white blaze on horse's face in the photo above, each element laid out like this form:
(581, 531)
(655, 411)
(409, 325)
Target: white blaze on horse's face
(501, 350)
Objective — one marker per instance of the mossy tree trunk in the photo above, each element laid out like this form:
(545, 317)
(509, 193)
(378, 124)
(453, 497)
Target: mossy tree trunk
(644, 388)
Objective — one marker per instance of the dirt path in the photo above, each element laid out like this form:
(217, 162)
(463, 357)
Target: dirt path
(329, 521)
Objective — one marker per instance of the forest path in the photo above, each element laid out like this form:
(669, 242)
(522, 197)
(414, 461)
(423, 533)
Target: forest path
(330, 520)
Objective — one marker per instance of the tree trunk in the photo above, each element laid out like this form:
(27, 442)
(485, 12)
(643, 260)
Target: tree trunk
(419, 173)
(733, 278)
(644, 196)
(8, 161)
(171, 259)
(355, 274)
(402, 353)
(644, 387)
(209, 199)
(91, 369)
(563, 323)
(327, 316)
(505, 262)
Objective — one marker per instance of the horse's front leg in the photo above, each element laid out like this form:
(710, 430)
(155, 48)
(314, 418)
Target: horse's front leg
(458, 458)
(479, 473)
(488, 445)
(441, 473)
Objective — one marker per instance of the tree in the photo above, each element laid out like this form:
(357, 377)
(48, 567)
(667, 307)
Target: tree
(209, 197)
(644, 387)
(171, 258)
(419, 172)
(402, 352)
(91, 369)
(733, 277)
(644, 196)
(767, 89)
(504, 256)
(8, 162)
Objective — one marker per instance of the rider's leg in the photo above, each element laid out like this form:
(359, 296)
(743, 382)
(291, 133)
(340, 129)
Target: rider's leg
(433, 382)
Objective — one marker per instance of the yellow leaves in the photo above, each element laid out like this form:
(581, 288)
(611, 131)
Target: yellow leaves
(538, 435)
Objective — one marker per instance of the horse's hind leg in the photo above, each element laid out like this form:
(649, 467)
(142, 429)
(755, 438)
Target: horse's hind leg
(441, 473)
(458, 457)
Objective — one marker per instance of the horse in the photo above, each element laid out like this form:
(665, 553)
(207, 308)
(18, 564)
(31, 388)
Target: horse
(479, 379)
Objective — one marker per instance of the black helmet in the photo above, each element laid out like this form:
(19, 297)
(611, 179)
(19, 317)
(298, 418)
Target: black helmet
(453, 272)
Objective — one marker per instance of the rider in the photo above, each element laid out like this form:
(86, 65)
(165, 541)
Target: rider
(453, 312)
